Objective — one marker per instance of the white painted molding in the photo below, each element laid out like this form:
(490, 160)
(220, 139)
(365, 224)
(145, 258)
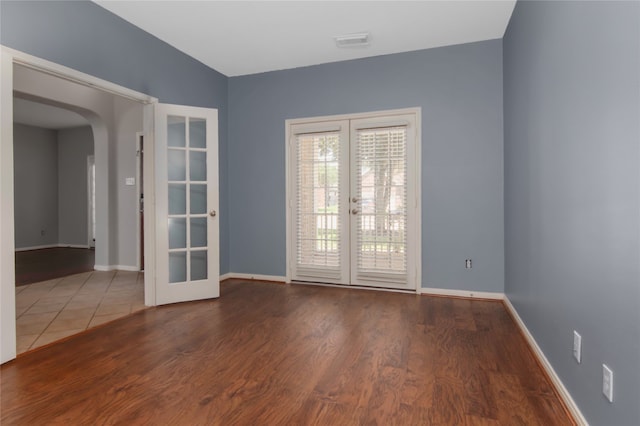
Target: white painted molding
(562, 390)
(46, 246)
(461, 293)
(70, 74)
(257, 277)
(106, 268)
(7, 234)
(131, 268)
(356, 287)
(82, 246)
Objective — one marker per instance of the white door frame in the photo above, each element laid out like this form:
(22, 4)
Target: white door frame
(91, 188)
(290, 197)
(139, 177)
(9, 57)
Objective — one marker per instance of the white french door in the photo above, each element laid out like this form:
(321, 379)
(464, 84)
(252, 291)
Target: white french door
(354, 200)
(187, 239)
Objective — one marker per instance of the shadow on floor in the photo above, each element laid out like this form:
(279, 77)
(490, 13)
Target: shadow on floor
(46, 264)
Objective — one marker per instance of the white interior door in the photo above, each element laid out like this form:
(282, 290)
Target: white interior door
(187, 239)
(353, 194)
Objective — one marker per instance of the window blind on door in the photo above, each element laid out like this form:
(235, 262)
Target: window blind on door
(318, 205)
(381, 190)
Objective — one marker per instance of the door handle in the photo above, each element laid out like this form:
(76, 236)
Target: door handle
(213, 213)
(354, 211)
(355, 200)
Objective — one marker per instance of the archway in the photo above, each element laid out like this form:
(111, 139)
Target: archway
(110, 110)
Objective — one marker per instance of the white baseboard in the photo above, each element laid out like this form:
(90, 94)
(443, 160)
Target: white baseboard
(461, 293)
(127, 268)
(257, 277)
(562, 391)
(356, 287)
(46, 246)
(82, 246)
(106, 268)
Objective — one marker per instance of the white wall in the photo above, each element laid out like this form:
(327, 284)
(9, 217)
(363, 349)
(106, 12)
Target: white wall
(128, 121)
(35, 170)
(74, 146)
(114, 124)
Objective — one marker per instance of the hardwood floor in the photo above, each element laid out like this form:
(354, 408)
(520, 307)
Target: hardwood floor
(45, 264)
(269, 354)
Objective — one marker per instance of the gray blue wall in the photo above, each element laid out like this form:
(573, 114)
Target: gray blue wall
(571, 186)
(74, 146)
(88, 38)
(572, 192)
(35, 169)
(460, 91)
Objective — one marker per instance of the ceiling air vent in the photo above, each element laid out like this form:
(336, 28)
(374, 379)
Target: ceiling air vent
(352, 40)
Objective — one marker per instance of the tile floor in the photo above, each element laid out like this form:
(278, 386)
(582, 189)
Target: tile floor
(54, 309)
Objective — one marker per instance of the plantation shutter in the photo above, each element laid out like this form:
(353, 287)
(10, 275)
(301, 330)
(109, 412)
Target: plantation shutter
(320, 212)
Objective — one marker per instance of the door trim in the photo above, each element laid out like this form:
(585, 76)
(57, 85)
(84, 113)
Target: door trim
(9, 57)
(91, 187)
(290, 197)
(139, 190)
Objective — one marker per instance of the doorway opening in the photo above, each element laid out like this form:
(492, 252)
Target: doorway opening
(92, 215)
(49, 147)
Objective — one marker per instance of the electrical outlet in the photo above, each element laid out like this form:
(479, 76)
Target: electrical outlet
(607, 382)
(577, 346)
(467, 264)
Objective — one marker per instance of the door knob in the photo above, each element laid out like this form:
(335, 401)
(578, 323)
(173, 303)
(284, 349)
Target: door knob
(212, 213)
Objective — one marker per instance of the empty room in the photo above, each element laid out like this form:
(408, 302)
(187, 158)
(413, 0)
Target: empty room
(336, 213)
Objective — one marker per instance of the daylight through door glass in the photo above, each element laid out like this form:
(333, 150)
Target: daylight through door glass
(318, 201)
(187, 188)
(381, 183)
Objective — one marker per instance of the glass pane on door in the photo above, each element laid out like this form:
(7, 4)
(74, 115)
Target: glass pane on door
(381, 191)
(187, 200)
(318, 218)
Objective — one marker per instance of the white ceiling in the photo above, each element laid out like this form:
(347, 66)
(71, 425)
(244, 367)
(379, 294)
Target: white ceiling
(247, 37)
(45, 116)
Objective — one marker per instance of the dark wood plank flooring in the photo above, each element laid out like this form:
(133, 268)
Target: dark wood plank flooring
(270, 354)
(45, 264)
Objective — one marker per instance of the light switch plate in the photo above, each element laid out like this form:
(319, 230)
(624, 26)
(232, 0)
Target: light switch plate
(607, 382)
(577, 346)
